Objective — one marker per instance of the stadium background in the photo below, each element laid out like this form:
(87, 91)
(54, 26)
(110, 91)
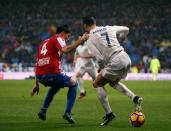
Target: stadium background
(23, 24)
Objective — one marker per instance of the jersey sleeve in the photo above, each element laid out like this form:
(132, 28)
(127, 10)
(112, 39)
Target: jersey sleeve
(59, 42)
(122, 30)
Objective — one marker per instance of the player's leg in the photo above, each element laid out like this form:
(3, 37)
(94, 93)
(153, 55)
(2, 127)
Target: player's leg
(116, 70)
(154, 74)
(71, 97)
(92, 72)
(80, 71)
(99, 84)
(81, 84)
(126, 91)
(49, 97)
(122, 88)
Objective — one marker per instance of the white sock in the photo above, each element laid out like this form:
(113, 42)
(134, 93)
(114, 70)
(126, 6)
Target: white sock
(80, 83)
(103, 99)
(123, 89)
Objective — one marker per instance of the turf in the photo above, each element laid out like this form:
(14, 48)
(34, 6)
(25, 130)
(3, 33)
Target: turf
(18, 110)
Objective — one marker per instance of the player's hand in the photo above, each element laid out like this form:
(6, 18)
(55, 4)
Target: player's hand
(98, 71)
(84, 37)
(35, 90)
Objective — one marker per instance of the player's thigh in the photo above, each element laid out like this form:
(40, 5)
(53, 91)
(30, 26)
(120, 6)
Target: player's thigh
(100, 81)
(92, 72)
(117, 68)
(114, 74)
(64, 80)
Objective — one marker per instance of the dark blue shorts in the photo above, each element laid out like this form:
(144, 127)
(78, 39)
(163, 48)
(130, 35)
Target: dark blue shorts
(60, 80)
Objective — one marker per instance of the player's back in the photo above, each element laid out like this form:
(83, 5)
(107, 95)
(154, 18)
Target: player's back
(155, 64)
(103, 41)
(48, 57)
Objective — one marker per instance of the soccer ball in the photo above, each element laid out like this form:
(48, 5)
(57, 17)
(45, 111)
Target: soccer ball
(137, 119)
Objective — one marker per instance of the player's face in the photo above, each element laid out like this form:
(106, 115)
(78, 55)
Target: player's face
(66, 36)
(86, 28)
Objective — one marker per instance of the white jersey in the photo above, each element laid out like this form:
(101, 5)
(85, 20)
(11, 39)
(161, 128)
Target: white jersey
(103, 41)
(84, 65)
(82, 50)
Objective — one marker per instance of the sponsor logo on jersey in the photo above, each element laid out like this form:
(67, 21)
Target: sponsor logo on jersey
(43, 61)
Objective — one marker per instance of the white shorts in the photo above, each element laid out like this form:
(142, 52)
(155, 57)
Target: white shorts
(85, 66)
(117, 66)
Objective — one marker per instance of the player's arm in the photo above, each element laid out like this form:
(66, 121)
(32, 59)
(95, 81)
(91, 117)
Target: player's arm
(122, 31)
(75, 44)
(35, 88)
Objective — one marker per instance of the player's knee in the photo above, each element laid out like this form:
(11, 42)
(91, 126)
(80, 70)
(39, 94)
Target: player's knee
(73, 82)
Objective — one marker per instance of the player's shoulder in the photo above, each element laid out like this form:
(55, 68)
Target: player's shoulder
(109, 27)
(44, 41)
(97, 29)
(101, 29)
(57, 38)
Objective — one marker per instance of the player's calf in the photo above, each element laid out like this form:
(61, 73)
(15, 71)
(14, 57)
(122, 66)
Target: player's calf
(138, 103)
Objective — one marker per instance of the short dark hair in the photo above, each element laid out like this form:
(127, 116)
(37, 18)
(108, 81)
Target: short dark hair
(89, 20)
(63, 28)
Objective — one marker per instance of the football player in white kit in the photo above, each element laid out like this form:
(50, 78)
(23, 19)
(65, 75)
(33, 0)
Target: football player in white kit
(113, 61)
(83, 61)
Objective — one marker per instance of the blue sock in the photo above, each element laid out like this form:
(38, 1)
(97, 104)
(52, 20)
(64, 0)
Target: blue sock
(49, 97)
(71, 97)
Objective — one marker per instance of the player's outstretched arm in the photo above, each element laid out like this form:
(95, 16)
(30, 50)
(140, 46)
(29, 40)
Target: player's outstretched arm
(74, 45)
(121, 30)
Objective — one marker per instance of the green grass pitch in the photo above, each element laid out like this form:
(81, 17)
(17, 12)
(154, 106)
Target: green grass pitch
(18, 110)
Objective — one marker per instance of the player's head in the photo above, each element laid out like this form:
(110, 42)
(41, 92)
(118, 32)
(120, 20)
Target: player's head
(88, 22)
(52, 30)
(64, 31)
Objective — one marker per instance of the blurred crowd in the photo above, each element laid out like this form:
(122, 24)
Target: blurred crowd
(24, 24)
